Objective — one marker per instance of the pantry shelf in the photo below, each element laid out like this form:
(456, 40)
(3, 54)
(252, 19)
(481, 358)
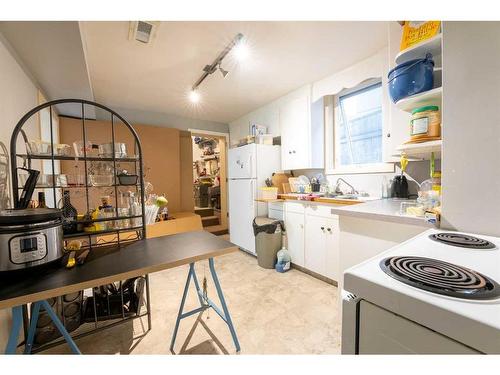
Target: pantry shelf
(421, 151)
(431, 97)
(431, 45)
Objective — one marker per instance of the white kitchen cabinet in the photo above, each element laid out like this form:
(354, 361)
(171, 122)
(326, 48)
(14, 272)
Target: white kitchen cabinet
(302, 128)
(321, 246)
(294, 224)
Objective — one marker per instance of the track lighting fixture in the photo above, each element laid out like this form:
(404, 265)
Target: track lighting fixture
(240, 50)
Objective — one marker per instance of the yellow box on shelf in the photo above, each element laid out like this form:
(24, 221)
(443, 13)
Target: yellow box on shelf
(416, 31)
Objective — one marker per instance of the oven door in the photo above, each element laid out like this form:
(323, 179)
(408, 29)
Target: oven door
(383, 332)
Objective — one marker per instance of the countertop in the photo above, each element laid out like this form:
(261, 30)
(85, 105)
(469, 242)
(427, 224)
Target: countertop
(368, 208)
(381, 209)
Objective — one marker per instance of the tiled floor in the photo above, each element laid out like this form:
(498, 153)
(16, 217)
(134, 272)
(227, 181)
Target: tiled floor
(273, 313)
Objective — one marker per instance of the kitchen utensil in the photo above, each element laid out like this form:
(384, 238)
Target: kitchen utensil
(29, 238)
(28, 188)
(278, 179)
(4, 177)
(294, 184)
(127, 179)
(286, 188)
(80, 149)
(106, 150)
(100, 179)
(62, 150)
(37, 147)
(411, 78)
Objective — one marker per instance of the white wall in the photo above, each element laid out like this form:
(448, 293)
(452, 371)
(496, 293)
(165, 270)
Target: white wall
(18, 94)
(374, 66)
(267, 115)
(471, 127)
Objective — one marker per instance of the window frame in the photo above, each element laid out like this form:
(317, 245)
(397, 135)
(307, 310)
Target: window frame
(333, 119)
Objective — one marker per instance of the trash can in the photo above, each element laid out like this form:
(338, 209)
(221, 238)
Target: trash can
(267, 240)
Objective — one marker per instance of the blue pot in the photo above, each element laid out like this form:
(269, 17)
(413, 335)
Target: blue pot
(411, 77)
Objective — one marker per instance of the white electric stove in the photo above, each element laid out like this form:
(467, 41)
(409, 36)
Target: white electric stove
(437, 293)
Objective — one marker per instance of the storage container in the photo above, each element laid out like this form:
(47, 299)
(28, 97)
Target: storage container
(264, 139)
(425, 123)
(411, 78)
(268, 193)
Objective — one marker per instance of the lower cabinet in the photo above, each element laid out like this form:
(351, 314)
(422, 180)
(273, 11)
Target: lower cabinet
(321, 246)
(313, 241)
(294, 225)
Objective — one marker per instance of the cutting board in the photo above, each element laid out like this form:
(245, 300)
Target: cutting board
(278, 179)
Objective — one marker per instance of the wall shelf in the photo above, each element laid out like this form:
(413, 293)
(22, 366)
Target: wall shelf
(421, 151)
(419, 50)
(431, 97)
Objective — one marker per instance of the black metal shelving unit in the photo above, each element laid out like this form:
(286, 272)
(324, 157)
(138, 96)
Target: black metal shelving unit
(111, 238)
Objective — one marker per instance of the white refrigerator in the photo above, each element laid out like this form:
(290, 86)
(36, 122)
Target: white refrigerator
(248, 168)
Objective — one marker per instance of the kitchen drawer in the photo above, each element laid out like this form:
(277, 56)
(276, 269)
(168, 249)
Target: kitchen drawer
(296, 207)
(322, 210)
(276, 206)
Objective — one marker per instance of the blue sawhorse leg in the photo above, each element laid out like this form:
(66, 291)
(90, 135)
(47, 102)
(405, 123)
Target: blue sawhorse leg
(205, 303)
(17, 319)
(17, 322)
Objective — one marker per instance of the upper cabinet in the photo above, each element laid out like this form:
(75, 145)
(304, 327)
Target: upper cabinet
(302, 133)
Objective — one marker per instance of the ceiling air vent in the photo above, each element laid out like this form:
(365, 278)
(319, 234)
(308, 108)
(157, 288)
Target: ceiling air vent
(142, 31)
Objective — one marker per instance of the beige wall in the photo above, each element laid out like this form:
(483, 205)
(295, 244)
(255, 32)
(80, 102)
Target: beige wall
(17, 96)
(161, 149)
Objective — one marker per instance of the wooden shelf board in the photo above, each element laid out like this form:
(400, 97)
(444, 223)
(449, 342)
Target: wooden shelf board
(431, 97)
(419, 50)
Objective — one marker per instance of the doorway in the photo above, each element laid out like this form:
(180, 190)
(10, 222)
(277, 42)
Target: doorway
(209, 179)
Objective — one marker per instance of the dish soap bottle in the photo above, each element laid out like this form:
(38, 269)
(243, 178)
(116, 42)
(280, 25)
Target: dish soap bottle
(69, 214)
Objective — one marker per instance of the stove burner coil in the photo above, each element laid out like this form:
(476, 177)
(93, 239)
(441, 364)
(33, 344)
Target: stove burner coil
(462, 240)
(440, 277)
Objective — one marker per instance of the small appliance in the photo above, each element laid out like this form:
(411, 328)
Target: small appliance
(30, 237)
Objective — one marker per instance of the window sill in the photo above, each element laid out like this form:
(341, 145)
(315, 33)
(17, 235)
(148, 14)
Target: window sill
(363, 169)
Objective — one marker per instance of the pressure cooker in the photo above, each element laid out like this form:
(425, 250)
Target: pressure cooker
(30, 237)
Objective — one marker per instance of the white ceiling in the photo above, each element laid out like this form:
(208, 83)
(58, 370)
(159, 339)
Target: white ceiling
(284, 56)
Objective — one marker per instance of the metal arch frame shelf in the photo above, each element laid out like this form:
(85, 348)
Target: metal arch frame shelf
(116, 242)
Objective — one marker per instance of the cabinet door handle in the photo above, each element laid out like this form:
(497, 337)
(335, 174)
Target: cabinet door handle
(293, 151)
(289, 152)
(329, 229)
(322, 228)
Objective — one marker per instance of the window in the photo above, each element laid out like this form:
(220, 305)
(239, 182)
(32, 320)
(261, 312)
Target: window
(358, 127)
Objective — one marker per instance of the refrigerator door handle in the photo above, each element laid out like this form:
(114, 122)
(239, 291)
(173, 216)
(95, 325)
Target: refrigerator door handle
(252, 190)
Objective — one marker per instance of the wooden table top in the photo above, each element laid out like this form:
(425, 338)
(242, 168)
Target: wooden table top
(139, 258)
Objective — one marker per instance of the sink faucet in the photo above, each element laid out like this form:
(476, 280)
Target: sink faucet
(337, 187)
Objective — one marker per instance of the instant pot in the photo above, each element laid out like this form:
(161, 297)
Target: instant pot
(30, 237)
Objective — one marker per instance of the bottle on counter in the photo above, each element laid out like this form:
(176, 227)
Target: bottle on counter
(41, 200)
(69, 214)
(385, 187)
(135, 210)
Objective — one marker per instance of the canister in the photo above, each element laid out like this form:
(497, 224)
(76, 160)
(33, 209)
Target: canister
(425, 123)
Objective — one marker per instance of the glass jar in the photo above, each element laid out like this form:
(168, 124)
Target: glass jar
(425, 123)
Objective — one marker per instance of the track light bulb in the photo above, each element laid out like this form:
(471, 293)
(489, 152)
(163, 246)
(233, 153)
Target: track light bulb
(194, 96)
(241, 50)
